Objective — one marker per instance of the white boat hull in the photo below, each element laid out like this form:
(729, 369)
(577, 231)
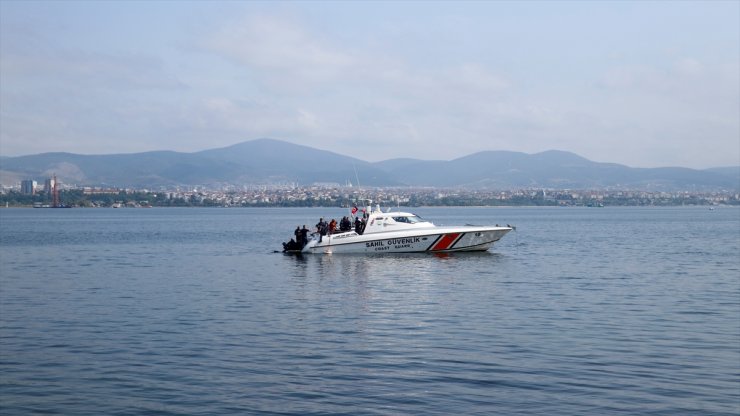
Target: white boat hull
(436, 239)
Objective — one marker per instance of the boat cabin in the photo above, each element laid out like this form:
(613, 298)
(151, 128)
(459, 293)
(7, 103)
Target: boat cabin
(379, 221)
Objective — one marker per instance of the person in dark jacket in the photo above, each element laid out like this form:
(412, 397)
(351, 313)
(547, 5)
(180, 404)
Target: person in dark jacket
(345, 225)
(359, 226)
(322, 227)
(304, 236)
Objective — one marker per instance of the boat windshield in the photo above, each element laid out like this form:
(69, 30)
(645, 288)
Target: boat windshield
(410, 219)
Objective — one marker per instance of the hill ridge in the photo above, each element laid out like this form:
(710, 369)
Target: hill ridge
(268, 160)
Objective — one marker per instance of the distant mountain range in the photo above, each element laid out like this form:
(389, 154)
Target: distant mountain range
(268, 161)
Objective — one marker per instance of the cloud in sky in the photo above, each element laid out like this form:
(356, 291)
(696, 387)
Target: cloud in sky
(644, 84)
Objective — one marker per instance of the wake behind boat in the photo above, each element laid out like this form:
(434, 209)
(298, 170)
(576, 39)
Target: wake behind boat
(398, 232)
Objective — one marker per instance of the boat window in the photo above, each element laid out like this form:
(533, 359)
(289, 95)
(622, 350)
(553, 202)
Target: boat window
(411, 219)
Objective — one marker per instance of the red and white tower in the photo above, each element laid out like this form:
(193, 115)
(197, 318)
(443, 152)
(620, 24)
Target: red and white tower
(55, 192)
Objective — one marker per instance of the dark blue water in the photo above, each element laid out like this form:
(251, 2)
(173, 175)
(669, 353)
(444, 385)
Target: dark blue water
(189, 311)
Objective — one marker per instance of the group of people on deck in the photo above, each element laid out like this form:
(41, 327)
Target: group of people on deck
(323, 228)
(300, 240)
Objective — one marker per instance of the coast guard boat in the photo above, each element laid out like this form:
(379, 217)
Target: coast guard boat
(403, 232)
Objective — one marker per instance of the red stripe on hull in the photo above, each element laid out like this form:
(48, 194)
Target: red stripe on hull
(445, 242)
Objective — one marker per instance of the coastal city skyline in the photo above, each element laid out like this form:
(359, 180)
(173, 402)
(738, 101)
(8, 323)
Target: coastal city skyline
(644, 84)
(327, 195)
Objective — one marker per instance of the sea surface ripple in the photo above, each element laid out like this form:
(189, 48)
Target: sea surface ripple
(580, 311)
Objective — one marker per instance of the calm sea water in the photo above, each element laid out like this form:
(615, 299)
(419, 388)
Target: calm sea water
(189, 311)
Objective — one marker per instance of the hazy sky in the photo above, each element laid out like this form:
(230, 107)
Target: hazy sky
(644, 84)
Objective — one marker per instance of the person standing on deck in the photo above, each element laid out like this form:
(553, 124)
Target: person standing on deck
(304, 236)
(358, 226)
(321, 228)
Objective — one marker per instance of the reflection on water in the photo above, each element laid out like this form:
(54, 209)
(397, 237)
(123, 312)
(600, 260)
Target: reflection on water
(391, 265)
(396, 284)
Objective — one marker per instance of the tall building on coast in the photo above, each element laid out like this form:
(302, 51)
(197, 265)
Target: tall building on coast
(49, 185)
(28, 187)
